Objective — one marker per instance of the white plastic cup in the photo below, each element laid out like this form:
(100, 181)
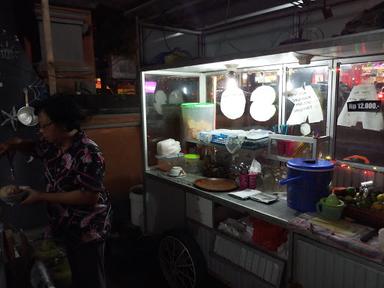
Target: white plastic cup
(176, 171)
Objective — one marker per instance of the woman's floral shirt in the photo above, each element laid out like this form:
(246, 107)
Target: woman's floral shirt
(81, 167)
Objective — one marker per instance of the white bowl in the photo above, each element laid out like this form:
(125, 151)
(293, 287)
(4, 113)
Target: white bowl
(14, 198)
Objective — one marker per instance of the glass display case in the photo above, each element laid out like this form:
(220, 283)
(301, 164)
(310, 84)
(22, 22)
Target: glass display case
(286, 99)
(298, 106)
(360, 134)
(246, 103)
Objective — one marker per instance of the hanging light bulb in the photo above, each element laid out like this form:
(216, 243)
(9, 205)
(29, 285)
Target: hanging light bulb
(232, 102)
(231, 84)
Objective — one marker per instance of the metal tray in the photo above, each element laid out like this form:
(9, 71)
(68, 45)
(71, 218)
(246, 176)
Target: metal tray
(216, 184)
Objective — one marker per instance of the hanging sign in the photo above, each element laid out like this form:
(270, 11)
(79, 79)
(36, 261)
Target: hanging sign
(359, 96)
(262, 108)
(364, 106)
(232, 103)
(307, 105)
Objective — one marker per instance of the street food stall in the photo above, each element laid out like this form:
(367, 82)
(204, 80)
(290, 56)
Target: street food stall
(267, 169)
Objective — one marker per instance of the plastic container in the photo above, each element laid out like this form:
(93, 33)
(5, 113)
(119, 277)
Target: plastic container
(137, 205)
(373, 218)
(165, 163)
(243, 181)
(268, 235)
(197, 117)
(168, 147)
(308, 181)
(330, 208)
(286, 148)
(192, 163)
(252, 180)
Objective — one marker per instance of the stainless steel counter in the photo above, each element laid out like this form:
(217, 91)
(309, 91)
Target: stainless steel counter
(306, 249)
(278, 212)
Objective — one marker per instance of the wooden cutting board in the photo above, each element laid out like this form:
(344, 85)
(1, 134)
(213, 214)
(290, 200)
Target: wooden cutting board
(216, 184)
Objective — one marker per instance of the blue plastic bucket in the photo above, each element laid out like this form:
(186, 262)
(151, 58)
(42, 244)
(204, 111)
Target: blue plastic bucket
(308, 181)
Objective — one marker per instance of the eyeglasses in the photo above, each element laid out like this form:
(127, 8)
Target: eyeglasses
(43, 126)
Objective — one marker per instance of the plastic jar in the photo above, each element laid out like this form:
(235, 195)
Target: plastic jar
(192, 163)
(166, 162)
(197, 117)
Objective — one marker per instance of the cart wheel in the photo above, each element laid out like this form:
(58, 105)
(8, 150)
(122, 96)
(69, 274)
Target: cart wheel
(181, 260)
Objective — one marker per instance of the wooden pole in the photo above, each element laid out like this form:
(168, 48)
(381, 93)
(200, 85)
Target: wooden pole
(48, 46)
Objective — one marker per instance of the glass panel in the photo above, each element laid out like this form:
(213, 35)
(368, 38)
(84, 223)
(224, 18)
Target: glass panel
(360, 133)
(256, 105)
(164, 95)
(306, 101)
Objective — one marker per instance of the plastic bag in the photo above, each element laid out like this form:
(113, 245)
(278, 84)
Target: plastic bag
(255, 167)
(233, 144)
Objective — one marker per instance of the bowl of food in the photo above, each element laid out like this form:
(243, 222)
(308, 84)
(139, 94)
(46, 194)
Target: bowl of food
(12, 194)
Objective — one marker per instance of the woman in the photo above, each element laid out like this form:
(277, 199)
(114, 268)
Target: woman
(77, 201)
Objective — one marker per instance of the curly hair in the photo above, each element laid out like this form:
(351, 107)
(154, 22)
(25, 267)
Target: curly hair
(62, 110)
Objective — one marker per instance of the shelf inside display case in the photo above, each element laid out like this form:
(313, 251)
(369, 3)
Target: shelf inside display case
(248, 144)
(290, 146)
(361, 166)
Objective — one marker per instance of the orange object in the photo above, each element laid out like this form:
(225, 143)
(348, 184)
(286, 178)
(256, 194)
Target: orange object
(357, 158)
(98, 83)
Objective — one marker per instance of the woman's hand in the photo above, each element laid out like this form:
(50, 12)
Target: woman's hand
(34, 196)
(76, 197)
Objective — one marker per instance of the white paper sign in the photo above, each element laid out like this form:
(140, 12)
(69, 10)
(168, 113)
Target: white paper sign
(369, 120)
(232, 103)
(262, 108)
(307, 105)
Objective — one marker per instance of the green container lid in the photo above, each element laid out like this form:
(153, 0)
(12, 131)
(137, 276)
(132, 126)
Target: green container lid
(193, 105)
(192, 156)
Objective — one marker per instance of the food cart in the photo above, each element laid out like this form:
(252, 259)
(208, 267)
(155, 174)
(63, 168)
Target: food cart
(301, 93)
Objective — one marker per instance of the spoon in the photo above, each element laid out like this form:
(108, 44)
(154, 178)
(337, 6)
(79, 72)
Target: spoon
(26, 114)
